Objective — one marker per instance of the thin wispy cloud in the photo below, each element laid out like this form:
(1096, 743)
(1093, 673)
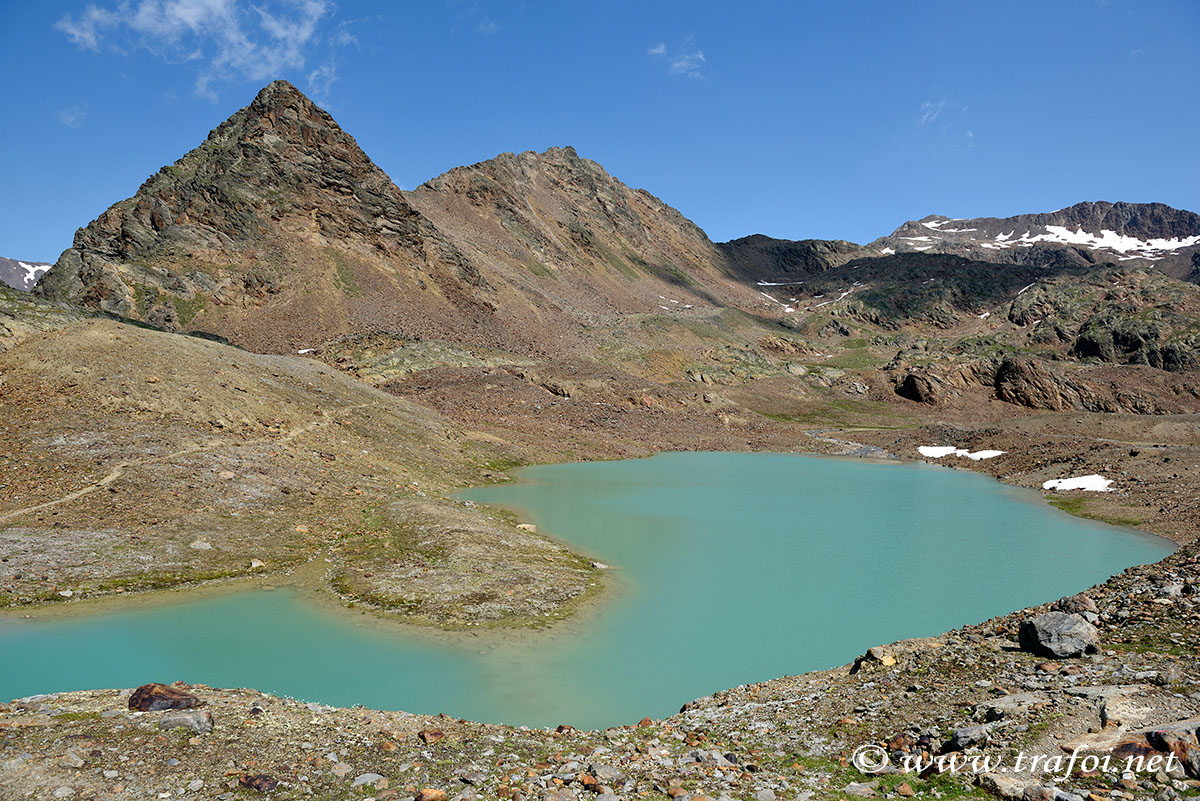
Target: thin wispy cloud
(687, 62)
(930, 111)
(73, 116)
(320, 82)
(946, 121)
(470, 15)
(226, 39)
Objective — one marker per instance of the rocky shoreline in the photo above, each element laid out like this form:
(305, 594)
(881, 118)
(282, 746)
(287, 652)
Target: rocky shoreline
(973, 693)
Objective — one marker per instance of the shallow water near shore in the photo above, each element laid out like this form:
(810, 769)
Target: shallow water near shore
(734, 568)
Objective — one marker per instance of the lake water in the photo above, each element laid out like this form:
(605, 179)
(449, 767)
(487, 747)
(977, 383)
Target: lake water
(729, 568)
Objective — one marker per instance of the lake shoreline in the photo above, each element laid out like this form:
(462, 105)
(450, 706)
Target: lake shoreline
(795, 732)
(668, 572)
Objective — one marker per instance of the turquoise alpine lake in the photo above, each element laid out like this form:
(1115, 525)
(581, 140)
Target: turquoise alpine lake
(727, 568)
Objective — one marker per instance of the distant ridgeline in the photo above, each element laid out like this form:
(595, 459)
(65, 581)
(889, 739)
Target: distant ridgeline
(21, 274)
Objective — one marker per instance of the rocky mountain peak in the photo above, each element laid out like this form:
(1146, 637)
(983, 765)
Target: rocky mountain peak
(274, 202)
(1085, 233)
(568, 210)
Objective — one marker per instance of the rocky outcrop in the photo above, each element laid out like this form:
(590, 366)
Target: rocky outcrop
(1122, 316)
(1111, 336)
(1036, 384)
(1025, 382)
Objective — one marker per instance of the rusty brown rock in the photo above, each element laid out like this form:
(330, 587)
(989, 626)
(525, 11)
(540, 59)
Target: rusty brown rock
(153, 697)
(428, 736)
(430, 794)
(261, 782)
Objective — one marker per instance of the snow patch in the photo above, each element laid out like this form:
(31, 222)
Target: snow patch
(1092, 483)
(938, 451)
(1110, 240)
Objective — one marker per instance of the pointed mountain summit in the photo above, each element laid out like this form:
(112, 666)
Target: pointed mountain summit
(279, 233)
(272, 232)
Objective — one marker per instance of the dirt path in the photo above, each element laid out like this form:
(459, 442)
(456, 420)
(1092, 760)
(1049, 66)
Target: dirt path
(119, 471)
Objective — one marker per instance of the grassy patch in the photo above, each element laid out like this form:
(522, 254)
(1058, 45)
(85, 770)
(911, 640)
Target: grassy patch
(186, 309)
(347, 281)
(855, 359)
(78, 716)
(502, 464)
(1078, 508)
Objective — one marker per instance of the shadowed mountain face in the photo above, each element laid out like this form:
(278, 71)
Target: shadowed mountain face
(279, 233)
(1083, 234)
(21, 274)
(765, 260)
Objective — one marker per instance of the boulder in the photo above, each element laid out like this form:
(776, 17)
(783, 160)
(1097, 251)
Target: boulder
(1075, 605)
(431, 794)
(967, 736)
(199, 721)
(1009, 706)
(1059, 635)
(366, 778)
(260, 782)
(153, 697)
(607, 773)
(428, 736)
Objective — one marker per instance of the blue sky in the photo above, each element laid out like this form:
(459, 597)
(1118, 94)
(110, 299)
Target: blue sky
(793, 119)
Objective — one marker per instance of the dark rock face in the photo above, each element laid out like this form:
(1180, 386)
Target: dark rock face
(917, 386)
(763, 258)
(1122, 316)
(1023, 381)
(154, 697)
(1059, 635)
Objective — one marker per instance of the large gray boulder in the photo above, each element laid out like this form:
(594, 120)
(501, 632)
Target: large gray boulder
(199, 721)
(1059, 635)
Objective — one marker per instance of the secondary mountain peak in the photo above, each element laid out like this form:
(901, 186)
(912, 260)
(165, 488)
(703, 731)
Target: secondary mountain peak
(21, 274)
(1085, 233)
